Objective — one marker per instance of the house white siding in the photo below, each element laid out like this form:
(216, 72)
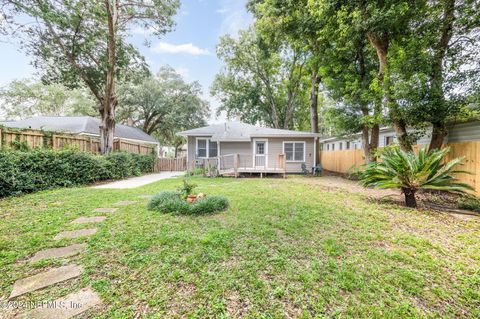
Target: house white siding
(275, 147)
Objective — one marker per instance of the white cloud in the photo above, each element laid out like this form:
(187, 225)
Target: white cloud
(188, 48)
(235, 16)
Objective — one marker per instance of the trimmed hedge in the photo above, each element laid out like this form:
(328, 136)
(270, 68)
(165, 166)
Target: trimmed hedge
(172, 202)
(30, 171)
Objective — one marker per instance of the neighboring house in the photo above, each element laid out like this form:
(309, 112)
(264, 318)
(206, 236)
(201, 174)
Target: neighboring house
(250, 149)
(461, 132)
(82, 126)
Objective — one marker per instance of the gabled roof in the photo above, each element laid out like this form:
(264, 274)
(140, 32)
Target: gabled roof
(78, 125)
(239, 131)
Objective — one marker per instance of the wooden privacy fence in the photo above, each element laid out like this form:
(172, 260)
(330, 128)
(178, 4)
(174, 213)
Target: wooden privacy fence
(42, 139)
(170, 164)
(342, 161)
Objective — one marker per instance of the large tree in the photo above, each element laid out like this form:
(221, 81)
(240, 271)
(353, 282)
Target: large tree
(84, 40)
(261, 79)
(22, 99)
(339, 60)
(163, 105)
(294, 22)
(436, 71)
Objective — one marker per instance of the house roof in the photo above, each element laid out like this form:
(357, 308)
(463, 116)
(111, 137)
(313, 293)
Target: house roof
(78, 125)
(239, 131)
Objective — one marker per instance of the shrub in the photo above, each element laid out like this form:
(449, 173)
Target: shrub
(186, 189)
(470, 203)
(209, 205)
(354, 173)
(172, 202)
(122, 164)
(196, 171)
(40, 169)
(411, 172)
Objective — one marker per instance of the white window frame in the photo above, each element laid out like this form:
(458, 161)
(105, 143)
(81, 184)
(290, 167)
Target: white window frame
(304, 151)
(208, 147)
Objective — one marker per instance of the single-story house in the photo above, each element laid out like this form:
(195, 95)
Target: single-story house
(251, 149)
(82, 126)
(458, 132)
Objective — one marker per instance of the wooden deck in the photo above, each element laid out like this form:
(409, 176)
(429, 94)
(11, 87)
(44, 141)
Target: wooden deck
(236, 164)
(252, 170)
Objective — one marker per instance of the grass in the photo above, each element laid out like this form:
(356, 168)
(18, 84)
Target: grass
(284, 248)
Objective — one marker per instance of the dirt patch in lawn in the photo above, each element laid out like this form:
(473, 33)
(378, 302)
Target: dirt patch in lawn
(437, 201)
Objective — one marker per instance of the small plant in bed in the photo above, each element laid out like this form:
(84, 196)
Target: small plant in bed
(172, 202)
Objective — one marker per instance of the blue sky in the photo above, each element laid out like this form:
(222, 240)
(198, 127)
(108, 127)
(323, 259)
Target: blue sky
(190, 48)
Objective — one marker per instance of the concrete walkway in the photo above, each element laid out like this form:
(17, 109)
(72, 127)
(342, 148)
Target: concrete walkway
(140, 181)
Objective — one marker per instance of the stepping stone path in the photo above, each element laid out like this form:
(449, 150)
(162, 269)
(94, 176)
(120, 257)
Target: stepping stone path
(75, 233)
(58, 252)
(105, 210)
(45, 279)
(125, 203)
(74, 304)
(86, 220)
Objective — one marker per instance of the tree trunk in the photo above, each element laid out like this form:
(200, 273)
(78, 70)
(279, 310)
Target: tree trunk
(410, 200)
(439, 128)
(400, 128)
(176, 151)
(315, 81)
(381, 45)
(366, 144)
(439, 131)
(107, 128)
(374, 137)
(109, 102)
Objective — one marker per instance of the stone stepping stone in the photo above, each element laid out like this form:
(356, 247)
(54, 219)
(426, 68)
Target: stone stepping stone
(105, 210)
(86, 220)
(124, 203)
(75, 233)
(45, 279)
(66, 307)
(58, 252)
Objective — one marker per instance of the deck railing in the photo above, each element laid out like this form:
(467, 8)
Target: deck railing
(248, 163)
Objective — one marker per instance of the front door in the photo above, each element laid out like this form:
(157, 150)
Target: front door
(260, 154)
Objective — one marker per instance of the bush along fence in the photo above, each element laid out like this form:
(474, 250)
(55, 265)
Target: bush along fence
(346, 160)
(40, 169)
(30, 139)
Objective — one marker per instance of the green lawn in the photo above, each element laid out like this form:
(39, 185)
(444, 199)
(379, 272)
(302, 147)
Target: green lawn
(285, 249)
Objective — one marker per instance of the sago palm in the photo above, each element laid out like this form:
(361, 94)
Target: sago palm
(411, 172)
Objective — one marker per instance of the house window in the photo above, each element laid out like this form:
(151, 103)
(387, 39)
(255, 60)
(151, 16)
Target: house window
(202, 150)
(328, 147)
(340, 146)
(212, 149)
(294, 151)
(333, 146)
(347, 146)
(206, 148)
(389, 140)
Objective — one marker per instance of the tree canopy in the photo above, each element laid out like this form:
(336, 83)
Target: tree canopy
(84, 40)
(163, 105)
(22, 99)
(261, 79)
